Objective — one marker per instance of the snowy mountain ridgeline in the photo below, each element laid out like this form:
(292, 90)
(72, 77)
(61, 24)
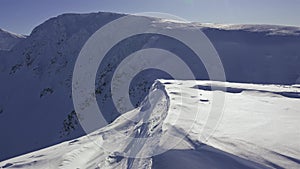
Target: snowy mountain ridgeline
(9, 40)
(36, 108)
(263, 111)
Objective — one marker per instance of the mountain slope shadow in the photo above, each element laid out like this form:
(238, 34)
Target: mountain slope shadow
(204, 158)
(201, 156)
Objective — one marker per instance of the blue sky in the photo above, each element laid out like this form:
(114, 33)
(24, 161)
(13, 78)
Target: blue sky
(21, 16)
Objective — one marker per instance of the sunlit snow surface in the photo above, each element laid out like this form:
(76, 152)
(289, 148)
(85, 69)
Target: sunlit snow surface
(36, 74)
(259, 128)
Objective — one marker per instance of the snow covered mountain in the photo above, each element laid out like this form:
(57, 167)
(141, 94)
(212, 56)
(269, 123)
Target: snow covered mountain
(8, 40)
(36, 83)
(257, 130)
(36, 105)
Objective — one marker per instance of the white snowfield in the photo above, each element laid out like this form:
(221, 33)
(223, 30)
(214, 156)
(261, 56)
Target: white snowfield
(259, 128)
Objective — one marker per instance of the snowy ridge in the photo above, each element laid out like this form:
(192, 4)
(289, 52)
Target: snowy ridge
(38, 71)
(269, 29)
(262, 28)
(36, 74)
(228, 148)
(12, 34)
(143, 122)
(8, 39)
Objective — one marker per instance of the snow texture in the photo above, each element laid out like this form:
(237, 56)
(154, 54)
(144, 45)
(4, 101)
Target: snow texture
(257, 130)
(36, 109)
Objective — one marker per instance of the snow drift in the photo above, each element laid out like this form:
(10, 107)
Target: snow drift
(257, 131)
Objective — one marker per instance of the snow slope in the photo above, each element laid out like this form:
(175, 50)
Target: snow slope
(36, 105)
(36, 84)
(8, 40)
(257, 130)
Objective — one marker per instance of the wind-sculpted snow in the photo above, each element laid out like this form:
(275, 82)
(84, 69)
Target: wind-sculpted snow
(257, 131)
(36, 74)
